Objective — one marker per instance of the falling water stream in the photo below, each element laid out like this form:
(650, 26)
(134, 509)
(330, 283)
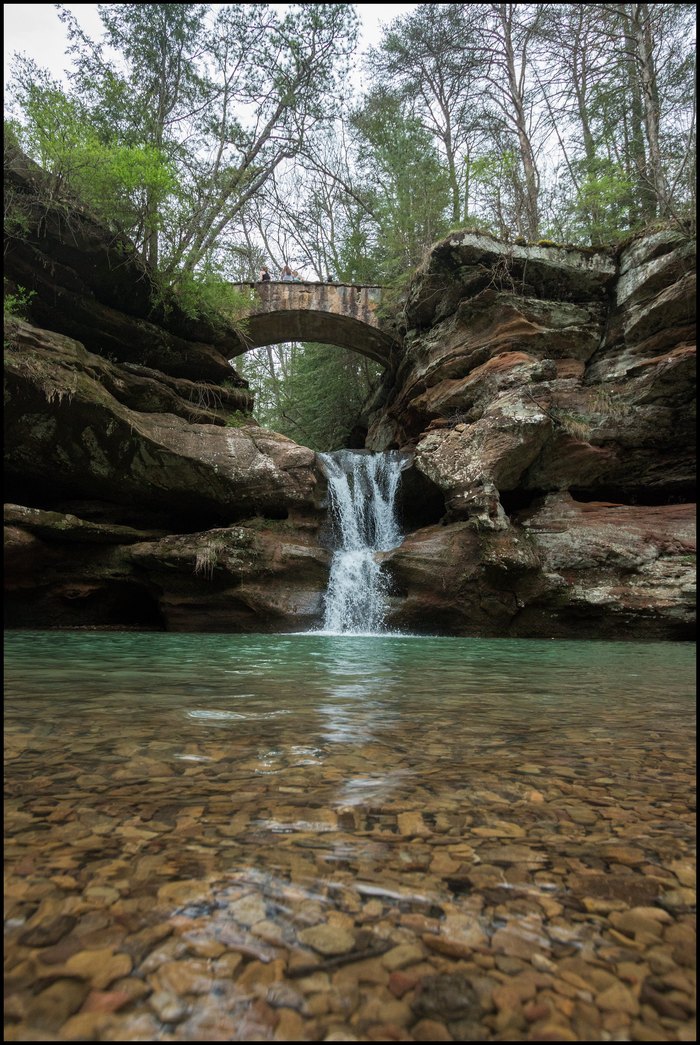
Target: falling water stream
(261, 837)
(362, 492)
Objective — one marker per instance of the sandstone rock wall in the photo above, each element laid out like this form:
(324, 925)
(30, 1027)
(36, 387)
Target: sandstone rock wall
(547, 395)
(141, 491)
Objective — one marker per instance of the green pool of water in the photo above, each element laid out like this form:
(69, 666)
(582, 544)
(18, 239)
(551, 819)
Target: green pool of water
(191, 805)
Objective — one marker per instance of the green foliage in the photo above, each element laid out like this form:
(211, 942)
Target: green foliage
(394, 295)
(495, 184)
(312, 393)
(600, 207)
(17, 302)
(400, 162)
(207, 295)
(118, 182)
(325, 394)
(237, 419)
(213, 100)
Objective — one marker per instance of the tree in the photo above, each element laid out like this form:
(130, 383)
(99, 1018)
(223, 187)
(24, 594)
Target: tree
(313, 393)
(621, 103)
(510, 33)
(403, 177)
(432, 64)
(122, 182)
(158, 92)
(226, 98)
(652, 34)
(328, 230)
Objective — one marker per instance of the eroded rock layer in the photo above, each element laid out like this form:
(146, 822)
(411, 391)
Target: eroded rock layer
(141, 492)
(547, 395)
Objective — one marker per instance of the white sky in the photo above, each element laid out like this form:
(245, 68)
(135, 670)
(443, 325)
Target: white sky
(36, 30)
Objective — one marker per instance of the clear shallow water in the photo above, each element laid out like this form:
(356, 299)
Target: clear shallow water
(232, 792)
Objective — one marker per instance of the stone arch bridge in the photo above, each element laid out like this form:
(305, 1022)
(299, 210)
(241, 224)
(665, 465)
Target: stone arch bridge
(331, 313)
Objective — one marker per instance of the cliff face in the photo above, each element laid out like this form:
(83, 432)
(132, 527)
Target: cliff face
(125, 424)
(547, 395)
(550, 395)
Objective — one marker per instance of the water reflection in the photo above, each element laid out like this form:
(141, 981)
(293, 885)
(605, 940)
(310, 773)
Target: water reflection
(194, 807)
(372, 789)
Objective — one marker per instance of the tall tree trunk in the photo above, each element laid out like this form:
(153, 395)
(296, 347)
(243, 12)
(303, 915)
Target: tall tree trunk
(646, 209)
(650, 97)
(516, 86)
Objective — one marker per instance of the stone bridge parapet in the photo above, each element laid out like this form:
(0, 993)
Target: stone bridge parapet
(341, 314)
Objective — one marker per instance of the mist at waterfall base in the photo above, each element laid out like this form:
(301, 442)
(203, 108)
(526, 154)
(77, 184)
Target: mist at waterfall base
(362, 490)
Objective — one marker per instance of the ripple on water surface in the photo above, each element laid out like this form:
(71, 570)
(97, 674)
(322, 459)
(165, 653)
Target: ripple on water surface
(317, 837)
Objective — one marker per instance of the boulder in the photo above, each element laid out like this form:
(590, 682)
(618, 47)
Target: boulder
(260, 575)
(68, 436)
(561, 569)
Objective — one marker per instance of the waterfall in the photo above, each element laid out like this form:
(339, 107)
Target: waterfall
(362, 493)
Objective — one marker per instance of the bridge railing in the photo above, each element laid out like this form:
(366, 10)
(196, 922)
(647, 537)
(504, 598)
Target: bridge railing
(257, 283)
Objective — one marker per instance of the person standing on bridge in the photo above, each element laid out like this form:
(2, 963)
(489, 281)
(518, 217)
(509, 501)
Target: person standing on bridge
(265, 275)
(287, 274)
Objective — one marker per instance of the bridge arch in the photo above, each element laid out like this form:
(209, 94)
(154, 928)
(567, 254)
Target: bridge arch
(331, 313)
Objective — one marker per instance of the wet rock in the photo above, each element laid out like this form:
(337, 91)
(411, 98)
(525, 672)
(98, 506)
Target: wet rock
(108, 1001)
(449, 996)
(57, 1002)
(640, 920)
(248, 910)
(402, 956)
(50, 933)
(327, 939)
(101, 966)
(402, 982)
(633, 890)
(618, 998)
(430, 1030)
(678, 899)
(459, 935)
(168, 1007)
(551, 1031)
(182, 977)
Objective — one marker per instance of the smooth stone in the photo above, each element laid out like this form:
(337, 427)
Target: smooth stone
(248, 910)
(52, 1006)
(168, 1007)
(430, 1030)
(182, 977)
(677, 898)
(106, 1001)
(84, 1026)
(402, 956)
(101, 966)
(618, 998)
(290, 1026)
(622, 854)
(449, 996)
(327, 939)
(635, 921)
(51, 933)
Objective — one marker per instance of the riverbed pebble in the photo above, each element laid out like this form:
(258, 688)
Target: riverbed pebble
(389, 890)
